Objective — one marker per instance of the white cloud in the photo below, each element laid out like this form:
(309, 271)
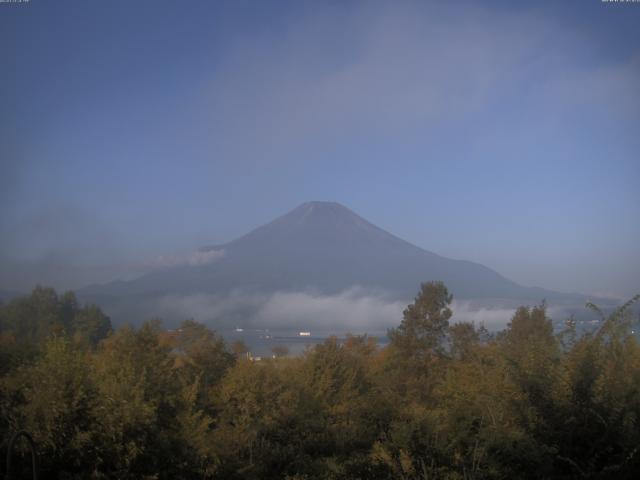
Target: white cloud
(357, 310)
(493, 318)
(354, 309)
(204, 257)
(399, 67)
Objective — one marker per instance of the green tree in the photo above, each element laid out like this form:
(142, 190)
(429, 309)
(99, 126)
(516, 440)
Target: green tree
(141, 400)
(425, 322)
(463, 338)
(415, 360)
(32, 319)
(239, 349)
(90, 325)
(599, 408)
(200, 351)
(54, 400)
(266, 420)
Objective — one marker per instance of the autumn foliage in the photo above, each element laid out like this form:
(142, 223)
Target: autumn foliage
(441, 400)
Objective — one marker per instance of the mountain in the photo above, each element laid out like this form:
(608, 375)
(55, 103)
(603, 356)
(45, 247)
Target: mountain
(325, 247)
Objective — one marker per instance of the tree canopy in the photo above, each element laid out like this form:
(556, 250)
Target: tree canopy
(441, 400)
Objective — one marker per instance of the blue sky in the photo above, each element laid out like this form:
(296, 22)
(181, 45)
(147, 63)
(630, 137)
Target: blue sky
(507, 133)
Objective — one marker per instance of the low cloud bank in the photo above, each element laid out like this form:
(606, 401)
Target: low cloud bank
(357, 310)
(493, 318)
(354, 309)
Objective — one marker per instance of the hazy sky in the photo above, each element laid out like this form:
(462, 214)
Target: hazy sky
(507, 133)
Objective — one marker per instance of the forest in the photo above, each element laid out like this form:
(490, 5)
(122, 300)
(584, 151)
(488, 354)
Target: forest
(442, 400)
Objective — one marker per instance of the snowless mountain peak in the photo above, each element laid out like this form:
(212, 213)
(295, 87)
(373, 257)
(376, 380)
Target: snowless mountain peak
(317, 246)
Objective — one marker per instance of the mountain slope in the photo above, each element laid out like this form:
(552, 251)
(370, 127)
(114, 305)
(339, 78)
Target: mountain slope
(325, 247)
